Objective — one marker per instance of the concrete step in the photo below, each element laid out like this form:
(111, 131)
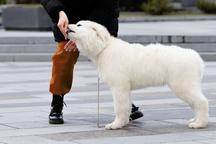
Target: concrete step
(46, 39)
(50, 48)
(41, 57)
(208, 56)
(40, 48)
(168, 39)
(26, 40)
(27, 48)
(200, 47)
(30, 57)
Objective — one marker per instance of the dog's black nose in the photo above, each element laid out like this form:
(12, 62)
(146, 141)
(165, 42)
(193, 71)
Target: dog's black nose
(69, 30)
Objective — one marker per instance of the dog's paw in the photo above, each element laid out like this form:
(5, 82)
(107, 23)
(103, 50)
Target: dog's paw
(108, 126)
(197, 125)
(115, 125)
(191, 120)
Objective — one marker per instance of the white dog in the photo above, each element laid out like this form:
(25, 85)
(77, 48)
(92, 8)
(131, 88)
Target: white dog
(125, 67)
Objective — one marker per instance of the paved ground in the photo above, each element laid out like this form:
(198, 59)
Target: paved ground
(191, 28)
(25, 100)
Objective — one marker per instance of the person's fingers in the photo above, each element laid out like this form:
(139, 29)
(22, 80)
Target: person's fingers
(67, 44)
(63, 23)
(64, 30)
(75, 49)
(63, 27)
(70, 46)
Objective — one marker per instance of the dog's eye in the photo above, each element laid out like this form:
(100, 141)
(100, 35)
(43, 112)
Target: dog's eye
(79, 25)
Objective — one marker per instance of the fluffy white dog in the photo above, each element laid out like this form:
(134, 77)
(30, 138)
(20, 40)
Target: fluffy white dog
(125, 67)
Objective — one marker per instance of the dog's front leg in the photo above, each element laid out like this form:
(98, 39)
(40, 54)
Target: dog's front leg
(122, 107)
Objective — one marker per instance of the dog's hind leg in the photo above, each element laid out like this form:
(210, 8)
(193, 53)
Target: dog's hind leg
(122, 107)
(201, 110)
(192, 94)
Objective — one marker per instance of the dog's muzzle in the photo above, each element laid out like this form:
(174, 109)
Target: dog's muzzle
(69, 31)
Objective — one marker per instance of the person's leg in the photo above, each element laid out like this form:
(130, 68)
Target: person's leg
(61, 81)
(135, 113)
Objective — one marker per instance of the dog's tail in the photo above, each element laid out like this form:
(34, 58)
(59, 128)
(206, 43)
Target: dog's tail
(201, 65)
(198, 64)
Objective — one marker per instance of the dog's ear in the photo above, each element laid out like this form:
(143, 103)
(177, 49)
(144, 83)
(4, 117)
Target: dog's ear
(102, 33)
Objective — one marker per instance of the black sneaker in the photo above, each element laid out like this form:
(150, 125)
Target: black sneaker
(56, 115)
(135, 113)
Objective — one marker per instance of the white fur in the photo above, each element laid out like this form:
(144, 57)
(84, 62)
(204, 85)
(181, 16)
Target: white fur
(125, 67)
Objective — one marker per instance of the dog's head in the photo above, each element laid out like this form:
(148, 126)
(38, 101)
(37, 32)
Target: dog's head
(90, 37)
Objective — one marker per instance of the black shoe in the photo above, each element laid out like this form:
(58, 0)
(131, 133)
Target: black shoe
(56, 115)
(135, 113)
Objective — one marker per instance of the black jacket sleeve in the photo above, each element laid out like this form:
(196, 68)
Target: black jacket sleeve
(53, 7)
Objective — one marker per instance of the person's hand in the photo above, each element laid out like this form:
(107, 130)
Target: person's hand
(63, 23)
(70, 46)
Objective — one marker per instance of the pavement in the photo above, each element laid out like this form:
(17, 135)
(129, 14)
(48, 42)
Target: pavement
(25, 104)
(186, 28)
(142, 17)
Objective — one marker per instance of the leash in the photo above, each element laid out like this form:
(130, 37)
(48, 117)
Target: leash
(98, 102)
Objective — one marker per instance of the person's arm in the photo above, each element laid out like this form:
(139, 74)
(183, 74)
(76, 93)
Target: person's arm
(53, 7)
(63, 23)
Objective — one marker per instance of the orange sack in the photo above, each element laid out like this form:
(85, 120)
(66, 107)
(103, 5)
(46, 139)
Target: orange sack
(62, 69)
